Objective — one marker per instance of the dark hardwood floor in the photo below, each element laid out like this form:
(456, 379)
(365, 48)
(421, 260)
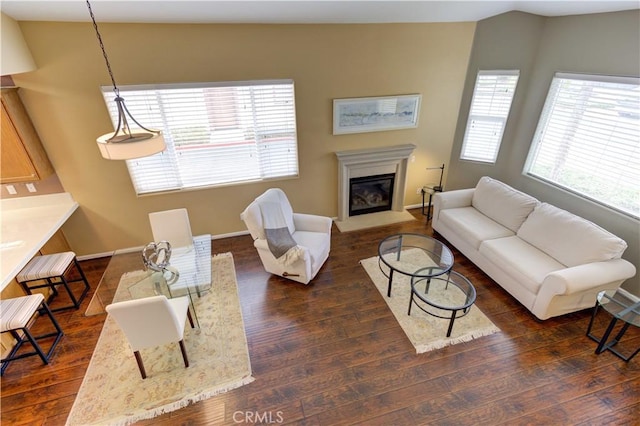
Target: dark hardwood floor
(332, 353)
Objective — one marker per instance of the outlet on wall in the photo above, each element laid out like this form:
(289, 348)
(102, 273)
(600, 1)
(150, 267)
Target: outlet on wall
(31, 187)
(419, 191)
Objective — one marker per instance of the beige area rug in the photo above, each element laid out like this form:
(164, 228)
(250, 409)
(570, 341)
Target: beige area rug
(425, 332)
(355, 223)
(113, 392)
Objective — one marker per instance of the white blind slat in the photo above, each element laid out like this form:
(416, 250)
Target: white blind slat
(588, 139)
(216, 133)
(490, 106)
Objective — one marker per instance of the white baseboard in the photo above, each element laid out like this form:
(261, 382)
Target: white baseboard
(139, 248)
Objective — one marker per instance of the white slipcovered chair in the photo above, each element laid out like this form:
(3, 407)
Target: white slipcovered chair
(152, 321)
(311, 235)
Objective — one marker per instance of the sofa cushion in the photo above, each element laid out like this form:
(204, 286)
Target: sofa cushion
(502, 203)
(522, 261)
(472, 226)
(568, 238)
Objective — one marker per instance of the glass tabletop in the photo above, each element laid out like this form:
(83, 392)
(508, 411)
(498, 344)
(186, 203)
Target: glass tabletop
(415, 255)
(621, 305)
(450, 291)
(190, 274)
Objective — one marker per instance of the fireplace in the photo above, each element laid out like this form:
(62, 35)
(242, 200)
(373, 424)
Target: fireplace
(371, 194)
(365, 163)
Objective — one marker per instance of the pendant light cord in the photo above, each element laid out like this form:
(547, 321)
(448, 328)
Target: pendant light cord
(104, 53)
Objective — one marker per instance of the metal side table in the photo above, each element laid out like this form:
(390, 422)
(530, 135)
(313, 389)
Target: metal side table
(623, 307)
(431, 189)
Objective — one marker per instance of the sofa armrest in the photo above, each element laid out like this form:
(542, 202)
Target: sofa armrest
(584, 277)
(578, 286)
(451, 200)
(312, 223)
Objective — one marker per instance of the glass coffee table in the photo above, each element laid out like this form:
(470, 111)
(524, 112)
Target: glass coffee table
(448, 296)
(190, 276)
(413, 255)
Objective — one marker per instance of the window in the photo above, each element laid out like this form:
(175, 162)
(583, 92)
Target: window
(216, 133)
(588, 139)
(492, 96)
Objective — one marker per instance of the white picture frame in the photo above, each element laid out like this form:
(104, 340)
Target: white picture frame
(375, 114)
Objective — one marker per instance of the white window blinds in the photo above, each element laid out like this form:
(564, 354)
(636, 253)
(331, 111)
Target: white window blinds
(216, 133)
(588, 139)
(492, 96)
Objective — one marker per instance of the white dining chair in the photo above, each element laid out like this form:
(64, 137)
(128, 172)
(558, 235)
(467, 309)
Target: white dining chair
(152, 321)
(172, 226)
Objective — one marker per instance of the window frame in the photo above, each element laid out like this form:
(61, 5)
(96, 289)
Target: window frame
(490, 117)
(211, 145)
(546, 116)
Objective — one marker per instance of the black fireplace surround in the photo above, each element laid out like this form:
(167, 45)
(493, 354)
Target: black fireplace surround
(370, 194)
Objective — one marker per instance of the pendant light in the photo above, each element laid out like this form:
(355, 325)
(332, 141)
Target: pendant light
(125, 143)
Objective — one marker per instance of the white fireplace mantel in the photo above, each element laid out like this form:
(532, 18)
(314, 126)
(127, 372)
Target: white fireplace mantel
(370, 162)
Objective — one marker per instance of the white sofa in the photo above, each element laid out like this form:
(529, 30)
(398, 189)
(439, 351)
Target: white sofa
(311, 233)
(550, 260)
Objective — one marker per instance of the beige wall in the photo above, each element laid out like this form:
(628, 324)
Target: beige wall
(607, 43)
(325, 61)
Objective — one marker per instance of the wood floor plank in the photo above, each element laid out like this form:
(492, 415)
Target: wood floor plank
(331, 353)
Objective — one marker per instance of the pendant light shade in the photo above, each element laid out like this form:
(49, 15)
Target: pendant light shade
(129, 149)
(125, 143)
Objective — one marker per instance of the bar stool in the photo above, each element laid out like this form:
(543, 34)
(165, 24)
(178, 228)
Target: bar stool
(18, 314)
(53, 268)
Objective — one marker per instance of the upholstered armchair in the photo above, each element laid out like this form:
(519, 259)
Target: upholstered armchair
(290, 245)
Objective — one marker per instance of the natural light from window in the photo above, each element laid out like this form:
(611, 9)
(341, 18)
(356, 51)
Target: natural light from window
(216, 133)
(588, 139)
(490, 106)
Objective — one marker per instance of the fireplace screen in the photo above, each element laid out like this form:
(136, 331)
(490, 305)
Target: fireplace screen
(370, 194)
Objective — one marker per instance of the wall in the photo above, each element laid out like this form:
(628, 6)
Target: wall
(607, 43)
(325, 61)
(50, 185)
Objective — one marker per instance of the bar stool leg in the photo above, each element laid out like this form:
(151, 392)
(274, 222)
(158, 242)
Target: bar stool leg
(33, 340)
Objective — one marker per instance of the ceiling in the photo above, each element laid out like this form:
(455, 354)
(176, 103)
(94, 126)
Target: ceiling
(295, 11)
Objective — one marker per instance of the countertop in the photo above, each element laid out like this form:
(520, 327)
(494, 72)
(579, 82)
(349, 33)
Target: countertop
(27, 224)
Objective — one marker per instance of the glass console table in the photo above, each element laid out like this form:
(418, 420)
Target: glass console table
(622, 307)
(192, 263)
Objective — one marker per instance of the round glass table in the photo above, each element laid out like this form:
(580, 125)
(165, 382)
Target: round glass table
(413, 255)
(448, 296)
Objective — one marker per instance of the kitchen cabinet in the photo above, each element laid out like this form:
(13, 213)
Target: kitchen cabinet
(23, 158)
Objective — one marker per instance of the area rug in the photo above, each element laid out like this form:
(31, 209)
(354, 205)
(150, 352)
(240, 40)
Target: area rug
(366, 221)
(425, 332)
(113, 392)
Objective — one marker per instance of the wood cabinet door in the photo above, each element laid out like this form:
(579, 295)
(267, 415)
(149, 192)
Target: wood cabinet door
(24, 159)
(16, 164)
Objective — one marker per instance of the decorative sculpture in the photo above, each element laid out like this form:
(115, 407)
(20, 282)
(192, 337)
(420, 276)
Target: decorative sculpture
(156, 256)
